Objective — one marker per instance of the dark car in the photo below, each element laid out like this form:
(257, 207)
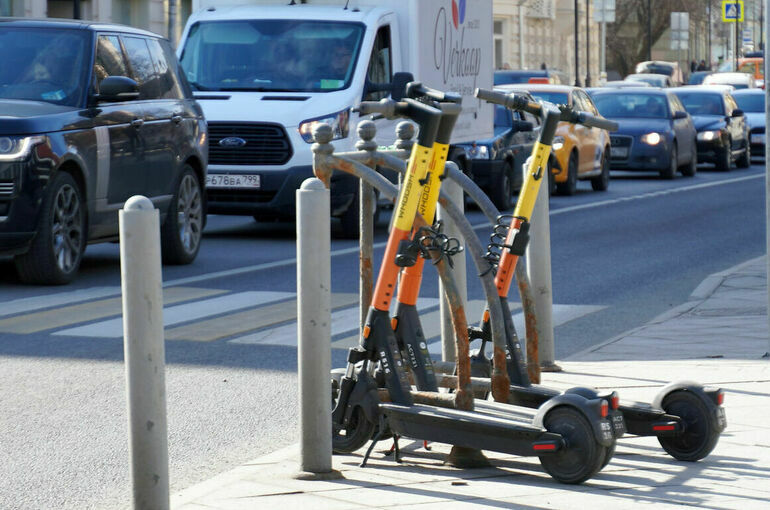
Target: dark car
(723, 136)
(752, 102)
(508, 76)
(495, 164)
(697, 77)
(654, 131)
(90, 115)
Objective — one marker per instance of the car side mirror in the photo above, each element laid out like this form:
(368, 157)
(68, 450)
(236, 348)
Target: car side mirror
(114, 89)
(679, 114)
(523, 125)
(737, 112)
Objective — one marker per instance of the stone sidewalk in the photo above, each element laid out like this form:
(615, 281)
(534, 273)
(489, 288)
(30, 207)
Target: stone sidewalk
(718, 337)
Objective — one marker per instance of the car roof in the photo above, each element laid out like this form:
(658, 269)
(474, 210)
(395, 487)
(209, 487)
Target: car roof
(722, 89)
(73, 24)
(656, 75)
(545, 87)
(730, 77)
(650, 91)
(756, 91)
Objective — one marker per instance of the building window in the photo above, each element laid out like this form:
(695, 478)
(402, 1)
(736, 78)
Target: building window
(498, 29)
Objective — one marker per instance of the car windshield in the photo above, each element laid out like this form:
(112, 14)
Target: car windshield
(631, 105)
(698, 103)
(657, 81)
(44, 64)
(272, 55)
(754, 103)
(551, 97)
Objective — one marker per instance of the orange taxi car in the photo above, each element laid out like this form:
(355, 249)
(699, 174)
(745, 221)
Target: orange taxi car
(581, 152)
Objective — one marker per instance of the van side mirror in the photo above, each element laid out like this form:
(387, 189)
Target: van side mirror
(679, 114)
(398, 85)
(114, 89)
(737, 112)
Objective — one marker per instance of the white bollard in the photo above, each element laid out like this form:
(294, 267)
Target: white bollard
(144, 352)
(314, 329)
(538, 255)
(455, 193)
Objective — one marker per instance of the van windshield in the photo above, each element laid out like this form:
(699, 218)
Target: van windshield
(44, 64)
(271, 55)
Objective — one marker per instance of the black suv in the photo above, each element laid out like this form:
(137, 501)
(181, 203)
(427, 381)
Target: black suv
(90, 115)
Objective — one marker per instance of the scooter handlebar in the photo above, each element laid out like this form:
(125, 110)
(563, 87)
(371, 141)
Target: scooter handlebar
(417, 90)
(511, 100)
(386, 107)
(589, 120)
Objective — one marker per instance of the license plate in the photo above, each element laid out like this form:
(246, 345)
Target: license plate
(232, 181)
(721, 417)
(619, 424)
(619, 152)
(757, 138)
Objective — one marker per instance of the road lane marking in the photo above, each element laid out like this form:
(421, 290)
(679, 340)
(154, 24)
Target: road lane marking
(84, 312)
(31, 304)
(113, 328)
(248, 320)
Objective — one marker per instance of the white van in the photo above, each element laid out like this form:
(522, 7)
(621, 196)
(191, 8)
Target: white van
(265, 75)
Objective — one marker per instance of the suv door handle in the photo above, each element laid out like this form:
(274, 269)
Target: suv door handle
(137, 123)
(176, 119)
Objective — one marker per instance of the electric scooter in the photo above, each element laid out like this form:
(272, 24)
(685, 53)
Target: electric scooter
(571, 456)
(686, 417)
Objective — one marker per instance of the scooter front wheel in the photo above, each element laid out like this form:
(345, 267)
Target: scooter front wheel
(699, 437)
(357, 431)
(582, 455)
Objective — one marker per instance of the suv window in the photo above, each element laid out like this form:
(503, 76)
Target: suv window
(379, 70)
(168, 81)
(143, 69)
(109, 59)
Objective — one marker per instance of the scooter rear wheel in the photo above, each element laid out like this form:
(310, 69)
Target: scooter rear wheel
(699, 437)
(582, 455)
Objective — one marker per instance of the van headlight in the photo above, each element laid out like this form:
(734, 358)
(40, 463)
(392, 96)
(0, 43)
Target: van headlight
(339, 122)
(558, 143)
(15, 149)
(651, 138)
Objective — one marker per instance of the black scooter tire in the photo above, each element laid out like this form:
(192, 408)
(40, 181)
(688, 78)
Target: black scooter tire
(699, 437)
(356, 434)
(582, 456)
(608, 456)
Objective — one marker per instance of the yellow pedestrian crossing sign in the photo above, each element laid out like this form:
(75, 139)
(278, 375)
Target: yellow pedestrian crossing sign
(732, 11)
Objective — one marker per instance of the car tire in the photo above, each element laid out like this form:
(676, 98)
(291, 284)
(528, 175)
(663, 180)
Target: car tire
(501, 193)
(349, 219)
(569, 187)
(602, 182)
(745, 160)
(724, 161)
(56, 251)
(670, 171)
(691, 168)
(182, 230)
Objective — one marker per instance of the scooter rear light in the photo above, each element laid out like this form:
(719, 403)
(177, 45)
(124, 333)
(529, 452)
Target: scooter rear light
(614, 401)
(720, 398)
(604, 410)
(663, 428)
(547, 447)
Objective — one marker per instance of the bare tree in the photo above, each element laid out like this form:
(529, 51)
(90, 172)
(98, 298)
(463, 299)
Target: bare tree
(627, 41)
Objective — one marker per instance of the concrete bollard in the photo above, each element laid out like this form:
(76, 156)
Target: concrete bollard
(314, 330)
(145, 354)
(456, 195)
(538, 255)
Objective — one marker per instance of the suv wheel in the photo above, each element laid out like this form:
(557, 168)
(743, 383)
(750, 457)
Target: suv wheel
(670, 171)
(182, 230)
(55, 254)
(745, 160)
(502, 192)
(725, 159)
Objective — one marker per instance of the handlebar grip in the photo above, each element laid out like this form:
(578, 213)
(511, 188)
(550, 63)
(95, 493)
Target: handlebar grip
(592, 121)
(416, 90)
(512, 100)
(386, 107)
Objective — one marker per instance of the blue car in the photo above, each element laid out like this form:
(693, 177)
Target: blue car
(752, 102)
(654, 131)
(723, 135)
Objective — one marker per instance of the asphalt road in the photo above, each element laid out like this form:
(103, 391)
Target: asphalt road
(619, 258)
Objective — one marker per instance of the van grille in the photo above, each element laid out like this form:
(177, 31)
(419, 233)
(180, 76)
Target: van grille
(265, 144)
(6, 188)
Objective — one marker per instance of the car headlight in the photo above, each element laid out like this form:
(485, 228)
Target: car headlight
(558, 143)
(339, 122)
(651, 138)
(707, 136)
(478, 152)
(15, 149)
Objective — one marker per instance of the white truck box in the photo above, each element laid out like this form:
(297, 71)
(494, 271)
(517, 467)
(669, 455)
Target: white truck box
(446, 44)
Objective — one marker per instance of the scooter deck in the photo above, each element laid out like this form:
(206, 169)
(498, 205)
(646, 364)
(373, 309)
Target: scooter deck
(470, 430)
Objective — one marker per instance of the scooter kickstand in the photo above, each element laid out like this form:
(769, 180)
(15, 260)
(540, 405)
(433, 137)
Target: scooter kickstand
(375, 440)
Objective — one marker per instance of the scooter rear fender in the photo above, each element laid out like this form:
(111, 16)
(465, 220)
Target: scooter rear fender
(590, 409)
